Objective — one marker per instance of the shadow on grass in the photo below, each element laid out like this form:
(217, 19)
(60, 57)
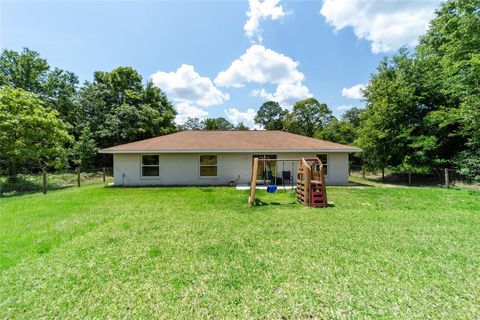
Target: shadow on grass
(261, 203)
(12, 187)
(392, 181)
(176, 186)
(358, 184)
(23, 186)
(23, 192)
(30, 184)
(401, 180)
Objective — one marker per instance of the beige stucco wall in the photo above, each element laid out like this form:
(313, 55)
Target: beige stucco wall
(183, 169)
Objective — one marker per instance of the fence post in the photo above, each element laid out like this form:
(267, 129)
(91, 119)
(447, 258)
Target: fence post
(409, 178)
(45, 184)
(78, 177)
(363, 172)
(104, 173)
(447, 182)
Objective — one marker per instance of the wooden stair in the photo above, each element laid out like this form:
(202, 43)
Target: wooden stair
(317, 194)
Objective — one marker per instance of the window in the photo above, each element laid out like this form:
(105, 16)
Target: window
(150, 166)
(208, 166)
(324, 158)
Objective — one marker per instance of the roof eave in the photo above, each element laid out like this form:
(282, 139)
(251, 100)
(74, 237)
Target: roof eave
(229, 151)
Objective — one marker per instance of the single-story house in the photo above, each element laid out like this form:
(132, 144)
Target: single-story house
(221, 157)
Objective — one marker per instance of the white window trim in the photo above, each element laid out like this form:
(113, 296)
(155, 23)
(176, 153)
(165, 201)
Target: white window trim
(324, 165)
(206, 165)
(149, 165)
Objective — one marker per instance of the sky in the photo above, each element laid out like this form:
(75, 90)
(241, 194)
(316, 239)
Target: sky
(223, 58)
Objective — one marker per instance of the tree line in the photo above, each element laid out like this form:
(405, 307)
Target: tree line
(422, 108)
(220, 123)
(48, 120)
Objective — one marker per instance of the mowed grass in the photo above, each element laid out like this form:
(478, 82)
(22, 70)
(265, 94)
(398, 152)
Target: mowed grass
(99, 252)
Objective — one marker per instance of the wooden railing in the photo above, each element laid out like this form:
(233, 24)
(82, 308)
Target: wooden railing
(307, 174)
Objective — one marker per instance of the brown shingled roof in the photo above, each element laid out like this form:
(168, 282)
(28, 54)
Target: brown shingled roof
(229, 141)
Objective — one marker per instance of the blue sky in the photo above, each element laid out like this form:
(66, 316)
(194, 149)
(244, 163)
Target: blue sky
(223, 58)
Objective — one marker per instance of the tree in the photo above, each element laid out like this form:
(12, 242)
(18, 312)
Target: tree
(191, 124)
(342, 131)
(307, 117)
(26, 70)
(121, 85)
(127, 123)
(85, 150)
(30, 133)
(353, 117)
(422, 108)
(451, 49)
(396, 130)
(59, 92)
(270, 116)
(387, 120)
(217, 124)
(241, 127)
(118, 108)
(337, 131)
(468, 160)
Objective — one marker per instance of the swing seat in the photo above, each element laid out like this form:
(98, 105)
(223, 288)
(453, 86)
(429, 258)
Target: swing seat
(271, 188)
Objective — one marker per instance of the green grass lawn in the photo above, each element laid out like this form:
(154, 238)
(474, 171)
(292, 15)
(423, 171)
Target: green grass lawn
(96, 252)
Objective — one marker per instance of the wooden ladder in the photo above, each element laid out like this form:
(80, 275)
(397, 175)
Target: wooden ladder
(317, 194)
(303, 182)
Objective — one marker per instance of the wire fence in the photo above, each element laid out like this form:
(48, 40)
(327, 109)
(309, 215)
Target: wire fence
(438, 176)
(43, 181)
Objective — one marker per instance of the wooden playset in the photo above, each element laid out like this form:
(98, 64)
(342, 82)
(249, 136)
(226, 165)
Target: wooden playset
(310, 189)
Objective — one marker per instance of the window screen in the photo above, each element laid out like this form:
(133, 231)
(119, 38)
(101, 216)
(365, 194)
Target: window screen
(208, 166)
(150, 166)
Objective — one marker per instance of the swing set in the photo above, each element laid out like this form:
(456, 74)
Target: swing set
(270, 174)
(310, 188)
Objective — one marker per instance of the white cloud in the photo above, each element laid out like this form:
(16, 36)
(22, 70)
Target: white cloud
(286, 94)
(185, 111)
(186, 85)
(344, 107)
(354, 92)
(388, 25)
(235, 116)
(261, 10)
(260, 65)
